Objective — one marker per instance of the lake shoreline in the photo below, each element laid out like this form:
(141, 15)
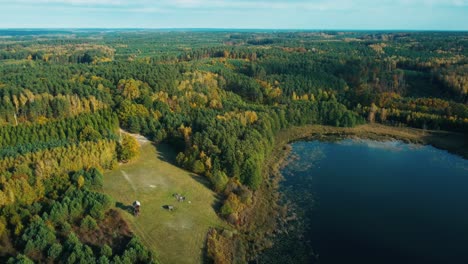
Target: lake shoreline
(454, 143)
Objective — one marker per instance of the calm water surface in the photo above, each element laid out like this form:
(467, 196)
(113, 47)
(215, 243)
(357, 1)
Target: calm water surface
(379, 202)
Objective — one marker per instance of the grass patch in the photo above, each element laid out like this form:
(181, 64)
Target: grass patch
(175, 237)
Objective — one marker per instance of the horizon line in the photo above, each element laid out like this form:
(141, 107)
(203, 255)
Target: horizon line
(228, 28)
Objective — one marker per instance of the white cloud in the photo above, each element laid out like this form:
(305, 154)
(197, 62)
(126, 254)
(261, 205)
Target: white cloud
(323, 5)
(311, 4)
(460, 2)
(70, 2)
(433, 2)
(263, 4)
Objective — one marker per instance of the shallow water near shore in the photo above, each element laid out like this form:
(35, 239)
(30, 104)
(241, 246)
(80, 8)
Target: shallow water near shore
(363, 201)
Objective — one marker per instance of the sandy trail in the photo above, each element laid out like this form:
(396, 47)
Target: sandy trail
(127, 178)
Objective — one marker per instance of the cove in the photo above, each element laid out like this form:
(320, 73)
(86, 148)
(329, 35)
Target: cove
(363, 201)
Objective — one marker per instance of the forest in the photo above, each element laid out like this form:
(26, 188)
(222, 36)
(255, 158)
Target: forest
(218, 97)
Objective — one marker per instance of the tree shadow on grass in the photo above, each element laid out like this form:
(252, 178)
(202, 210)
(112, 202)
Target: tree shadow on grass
(218, 202)
(204, 253)
(216, 205)
(126, 208)
(167, 152)
(201, 179)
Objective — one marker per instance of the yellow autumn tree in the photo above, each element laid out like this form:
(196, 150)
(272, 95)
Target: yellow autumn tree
(186, 133)
(80, 182)
(128, 149)
(130, 88)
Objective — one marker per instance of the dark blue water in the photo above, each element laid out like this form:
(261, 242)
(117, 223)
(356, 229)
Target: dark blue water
(379, 202)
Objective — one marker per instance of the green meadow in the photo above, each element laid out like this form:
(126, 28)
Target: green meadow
(176, 236)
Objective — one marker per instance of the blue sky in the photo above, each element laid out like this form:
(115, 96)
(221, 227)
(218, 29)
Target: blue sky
(272, 14)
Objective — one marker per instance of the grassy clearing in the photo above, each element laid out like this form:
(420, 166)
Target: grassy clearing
(177, 236)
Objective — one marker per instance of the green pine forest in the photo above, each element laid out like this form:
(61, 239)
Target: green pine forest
(217, 97)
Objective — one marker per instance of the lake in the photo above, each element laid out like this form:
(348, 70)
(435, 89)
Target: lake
(363, 201)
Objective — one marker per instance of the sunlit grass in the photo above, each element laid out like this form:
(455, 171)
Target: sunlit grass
(177, 236)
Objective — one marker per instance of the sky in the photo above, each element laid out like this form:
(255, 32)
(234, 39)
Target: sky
(239, 14)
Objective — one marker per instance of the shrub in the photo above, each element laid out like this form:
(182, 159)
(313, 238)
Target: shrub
(88, 223)
(20, 259)
(106, 251)
(219, 180)
(54, 251)
(198, 167)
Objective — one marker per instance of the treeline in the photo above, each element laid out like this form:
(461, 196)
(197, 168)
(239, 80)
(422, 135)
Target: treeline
(425, 113)
(47, 163)
(58, 53)
(52, 79)
(24, 138)
(29, 107)
(456, 79)
(236, 145)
